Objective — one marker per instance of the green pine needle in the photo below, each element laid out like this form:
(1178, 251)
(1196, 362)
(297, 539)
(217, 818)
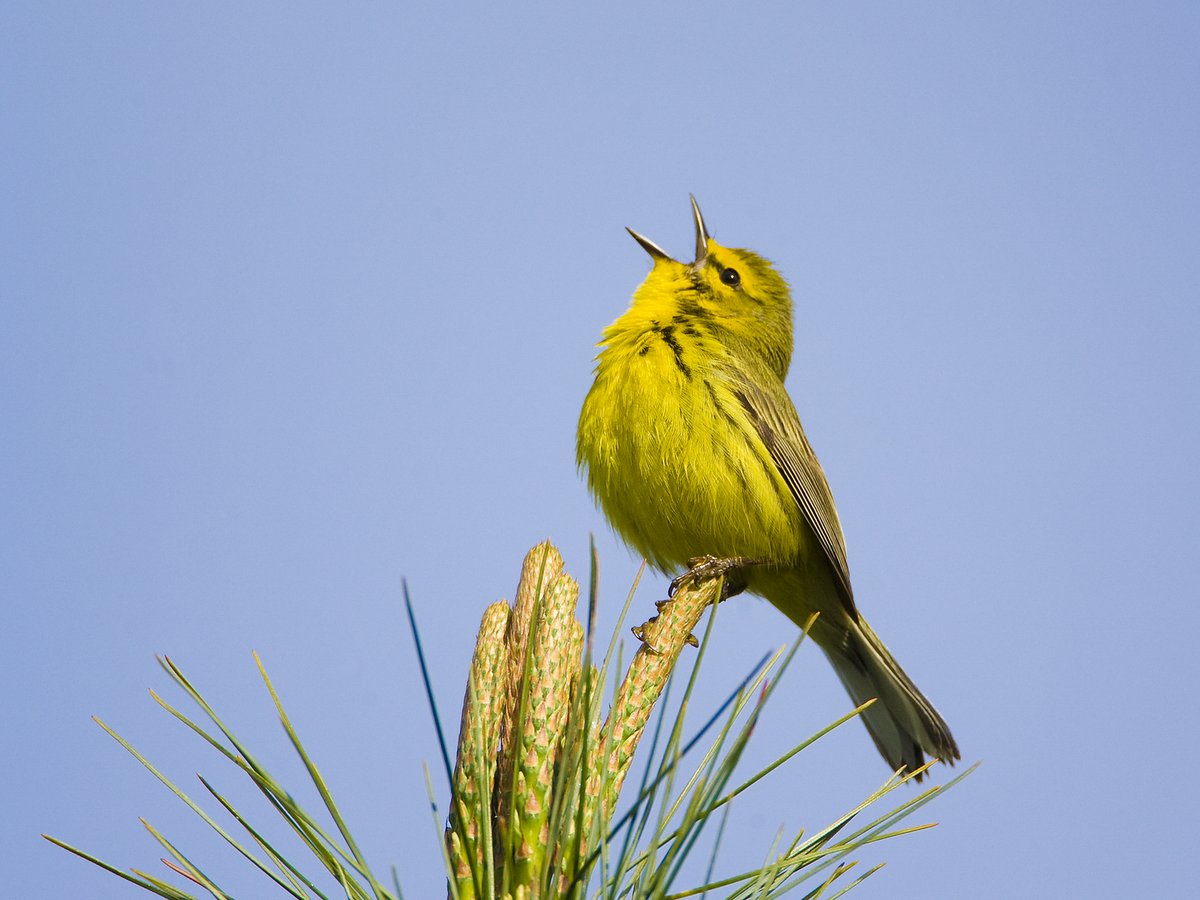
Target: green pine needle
(538, 810)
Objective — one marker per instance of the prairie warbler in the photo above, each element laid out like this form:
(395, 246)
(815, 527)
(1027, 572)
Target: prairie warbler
(697, 457)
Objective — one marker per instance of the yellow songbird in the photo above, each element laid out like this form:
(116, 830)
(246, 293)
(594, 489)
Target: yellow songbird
(697, 457)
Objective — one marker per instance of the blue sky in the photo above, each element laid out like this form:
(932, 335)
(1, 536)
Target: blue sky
(300, 301)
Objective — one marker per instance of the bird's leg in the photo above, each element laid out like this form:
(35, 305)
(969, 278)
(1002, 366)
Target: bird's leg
(704, 568)
(732, 569)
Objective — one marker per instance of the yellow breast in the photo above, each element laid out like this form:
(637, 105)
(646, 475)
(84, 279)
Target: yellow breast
(672, 456)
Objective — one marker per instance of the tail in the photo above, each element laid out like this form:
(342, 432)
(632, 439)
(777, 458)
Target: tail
(902, 723)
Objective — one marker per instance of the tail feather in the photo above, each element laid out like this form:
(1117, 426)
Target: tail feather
(902, 722)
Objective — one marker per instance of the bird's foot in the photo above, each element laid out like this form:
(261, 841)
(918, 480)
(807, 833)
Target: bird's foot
(705, 568)
(701, 569)
(642, 633)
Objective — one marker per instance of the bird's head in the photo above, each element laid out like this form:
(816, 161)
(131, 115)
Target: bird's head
(740, 292)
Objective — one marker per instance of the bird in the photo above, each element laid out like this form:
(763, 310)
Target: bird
(694, 451)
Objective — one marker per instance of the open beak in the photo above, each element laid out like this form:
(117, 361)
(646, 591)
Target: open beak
(656, 252)
(701, 234)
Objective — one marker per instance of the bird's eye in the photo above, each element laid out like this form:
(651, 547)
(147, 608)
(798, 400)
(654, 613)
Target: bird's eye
(731, 277)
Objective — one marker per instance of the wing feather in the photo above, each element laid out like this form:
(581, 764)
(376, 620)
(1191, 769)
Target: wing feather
(775, 418)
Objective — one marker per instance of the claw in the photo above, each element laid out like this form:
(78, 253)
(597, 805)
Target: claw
(706, 568)
(702, 568)
(691, 640)
(639, 632)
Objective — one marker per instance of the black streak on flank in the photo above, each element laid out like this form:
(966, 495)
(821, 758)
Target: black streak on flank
(668, 336)
(691, 326)
(689, 308)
